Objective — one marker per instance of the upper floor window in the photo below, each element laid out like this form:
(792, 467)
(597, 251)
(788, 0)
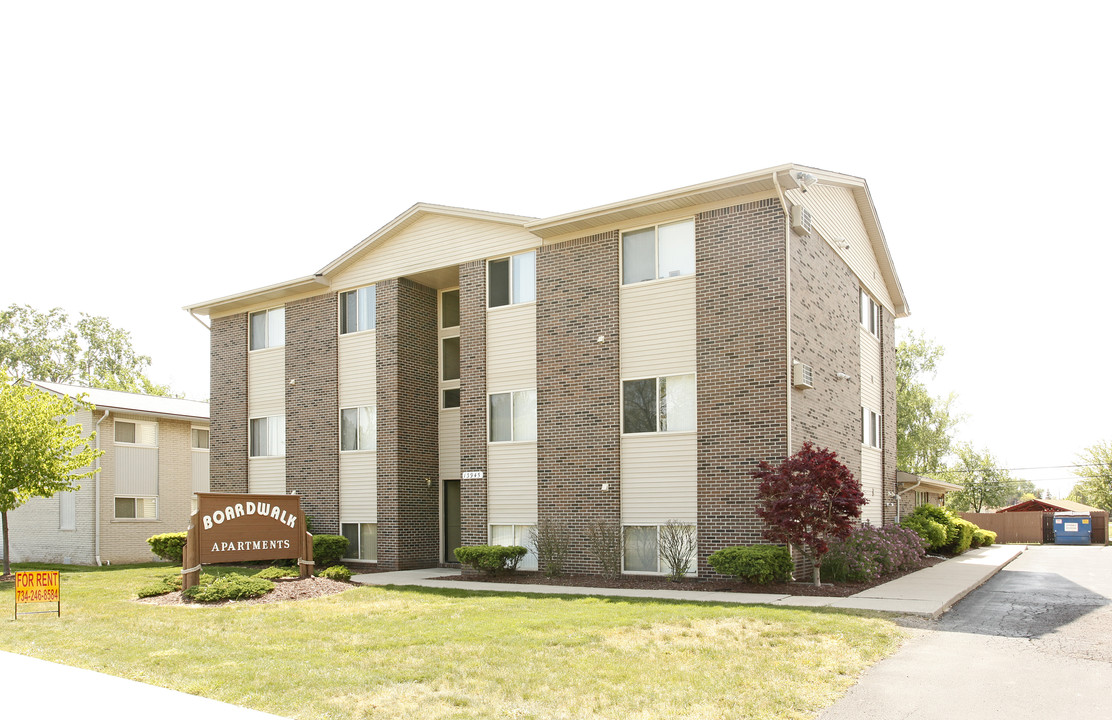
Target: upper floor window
(137, 432)
(662, 404)
(268, 436)
(512, 280)
(872, 427)
(357, 310)
(661, 251)
(268, 328)
(513, 416)
(200, 439)
(358, 428)
(870, 314)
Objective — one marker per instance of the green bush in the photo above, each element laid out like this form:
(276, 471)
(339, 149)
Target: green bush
(336, 572)
(959, 533)
(229, 587)
(168, 546)
(960, 540)
(165, 584)
(761, 564)
(492, 558)
(273, 573)
(932, 531)
(983, 538)
(328, 549)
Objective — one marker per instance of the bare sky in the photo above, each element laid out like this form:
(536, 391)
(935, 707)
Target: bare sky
(154, 154)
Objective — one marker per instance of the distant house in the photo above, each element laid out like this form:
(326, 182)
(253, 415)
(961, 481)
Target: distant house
(1050, 506)
(155, 457)
(915, 490)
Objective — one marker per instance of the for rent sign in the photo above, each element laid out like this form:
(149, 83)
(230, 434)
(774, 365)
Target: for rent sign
(244, 528)
(38, 586)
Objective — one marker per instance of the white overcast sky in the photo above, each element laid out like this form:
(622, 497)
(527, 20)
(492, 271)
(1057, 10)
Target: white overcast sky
(154, 155)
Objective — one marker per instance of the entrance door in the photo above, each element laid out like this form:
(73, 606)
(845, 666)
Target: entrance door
(453, 537)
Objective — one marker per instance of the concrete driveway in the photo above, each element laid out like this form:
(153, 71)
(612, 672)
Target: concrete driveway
(1033, 642)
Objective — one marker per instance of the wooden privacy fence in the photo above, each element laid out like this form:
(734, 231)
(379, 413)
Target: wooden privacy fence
(1031, 527)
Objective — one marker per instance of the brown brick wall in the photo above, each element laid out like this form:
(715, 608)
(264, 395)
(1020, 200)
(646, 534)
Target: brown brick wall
(888, 387)
(825, 304)
(228, 406)
(408, 458)
(473, 400)
(312, 413)
(578, 388)
(741, 346)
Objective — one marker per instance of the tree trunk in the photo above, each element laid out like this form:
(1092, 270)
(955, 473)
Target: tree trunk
(818, 575)
(7, 555)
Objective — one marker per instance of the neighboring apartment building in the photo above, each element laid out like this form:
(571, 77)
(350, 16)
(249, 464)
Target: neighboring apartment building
(155, 457)
(460, 376)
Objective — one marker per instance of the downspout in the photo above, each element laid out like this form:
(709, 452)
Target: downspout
(194, 316)
(96, 502)
(788, 304)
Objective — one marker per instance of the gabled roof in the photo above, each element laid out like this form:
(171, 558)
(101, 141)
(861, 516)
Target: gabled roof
(131, 402)
(1037, 505)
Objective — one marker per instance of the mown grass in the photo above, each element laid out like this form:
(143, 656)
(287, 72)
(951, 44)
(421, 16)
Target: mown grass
(421, 654)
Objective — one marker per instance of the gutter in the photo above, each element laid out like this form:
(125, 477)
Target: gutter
(96, 505)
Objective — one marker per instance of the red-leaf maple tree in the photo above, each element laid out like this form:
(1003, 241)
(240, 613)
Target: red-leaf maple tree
(810, 499)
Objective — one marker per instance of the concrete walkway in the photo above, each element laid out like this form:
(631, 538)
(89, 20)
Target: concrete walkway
(926, 593)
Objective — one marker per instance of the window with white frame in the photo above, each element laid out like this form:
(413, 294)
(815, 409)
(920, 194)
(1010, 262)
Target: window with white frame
(513, 416)
(358, 428)
(268, 436)
(136, 432)
(516, 534)
(357, 310)
(200, 439)
(362, 541)
(67, 510)
(641, 549)
(660, 404)
(661, 251)
(871, 427)
(449, 349)
(136, 508)
(870, 314)
(268, 328)
(512, 280)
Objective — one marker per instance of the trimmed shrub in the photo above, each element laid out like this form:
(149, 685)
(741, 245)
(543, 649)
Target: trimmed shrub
(871, 552)
(328, 549)
(932, 532)
(983, 538)
(273, 573)
(962, 537)
(959, 533)
(336, 572)
(230, 587)
(168, 546)
(492, 559)
(760, 564)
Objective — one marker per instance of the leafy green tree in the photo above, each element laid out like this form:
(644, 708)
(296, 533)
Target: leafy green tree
(41, 453)
(1095, 470)
(924, 422)
(1021, 490)
(984, 484)
(48, 346)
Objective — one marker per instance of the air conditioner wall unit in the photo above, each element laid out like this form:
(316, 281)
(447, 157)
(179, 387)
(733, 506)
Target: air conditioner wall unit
(801, 220)
(803, 376)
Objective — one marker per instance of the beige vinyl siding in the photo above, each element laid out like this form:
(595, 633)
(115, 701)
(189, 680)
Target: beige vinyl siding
(512, 483)
(659, 478)
(200, 470)
(358, 487)
(835, 215)
(136, 471)
(449, 444)
(434, 241)
(512, 348)
(266, 475)
(266, 387)
(871, 395)
(657, 321)
(871, 485)
(356, 372)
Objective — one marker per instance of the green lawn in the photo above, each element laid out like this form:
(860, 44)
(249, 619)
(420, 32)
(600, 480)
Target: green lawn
(417, 653)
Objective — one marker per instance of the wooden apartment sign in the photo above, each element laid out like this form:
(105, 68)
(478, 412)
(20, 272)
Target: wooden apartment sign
(229, 527)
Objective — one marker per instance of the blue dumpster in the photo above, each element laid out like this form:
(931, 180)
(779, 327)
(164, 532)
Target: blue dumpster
(1072, 528)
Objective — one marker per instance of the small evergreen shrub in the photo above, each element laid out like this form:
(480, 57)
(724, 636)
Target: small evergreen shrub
(336, 572)
(983, 538)
(932, 532)
(492, 559)
(168, 546)
(962, 537)
(229, 587)
(273, 573)
(959, 533)
(328, 549)
(871, 552)
(760, 564)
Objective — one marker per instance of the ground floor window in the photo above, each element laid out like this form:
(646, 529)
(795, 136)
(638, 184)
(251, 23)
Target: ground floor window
(644, 548)
(362, 541)
(136, 508)
(516, 534)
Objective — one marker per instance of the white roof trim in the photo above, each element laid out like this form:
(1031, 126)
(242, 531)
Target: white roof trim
(131, 402)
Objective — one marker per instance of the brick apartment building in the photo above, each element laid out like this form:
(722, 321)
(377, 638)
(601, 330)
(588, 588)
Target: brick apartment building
(459, 376)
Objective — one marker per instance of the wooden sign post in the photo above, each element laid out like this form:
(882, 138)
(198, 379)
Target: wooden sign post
(230, 527)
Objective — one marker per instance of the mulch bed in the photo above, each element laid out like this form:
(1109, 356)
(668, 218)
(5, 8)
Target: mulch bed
(652, 582)
(285, 589)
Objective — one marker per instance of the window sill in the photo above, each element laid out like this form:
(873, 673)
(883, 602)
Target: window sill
(512, 442)
(871, 447)
(269, 347)
(674, 278)
(265, 457)
(361, 451)
(511, 305)
(135, 520)
(669, 433)
(358, 332)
